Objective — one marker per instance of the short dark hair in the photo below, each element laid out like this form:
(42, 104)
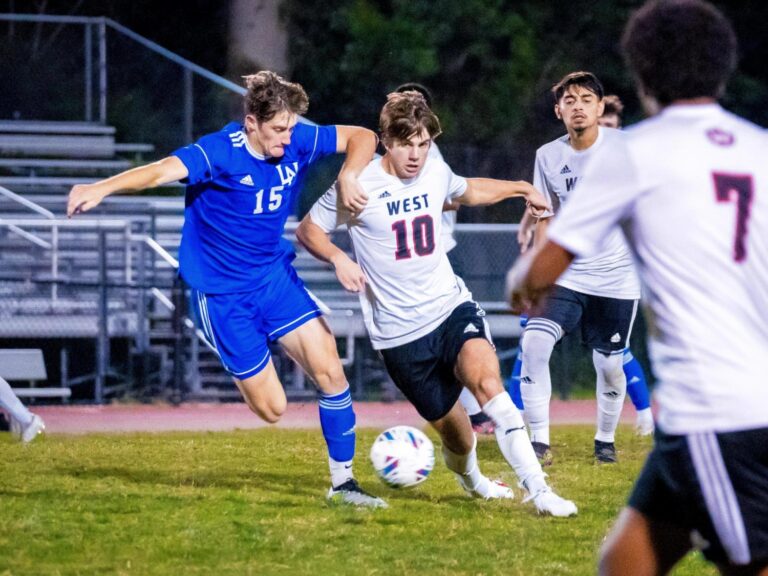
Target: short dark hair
(580, 78)
(679, 49)
(406, 114)
(612, 104)
(416, 87)
(269, 94)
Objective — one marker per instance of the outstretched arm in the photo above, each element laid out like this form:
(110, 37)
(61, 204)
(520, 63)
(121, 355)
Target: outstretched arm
(483, 191)
(317, 242)
(360, 146)
(84, 197)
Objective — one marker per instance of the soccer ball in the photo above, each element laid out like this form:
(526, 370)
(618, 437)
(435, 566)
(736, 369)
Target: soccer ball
(403, 456)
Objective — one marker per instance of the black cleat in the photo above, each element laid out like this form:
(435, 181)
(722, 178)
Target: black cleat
(605, 452)
(543, 453)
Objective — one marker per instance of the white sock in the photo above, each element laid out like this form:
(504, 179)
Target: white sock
(512, 439)
(465, 465)
(645, 419)
(535, 381)
(340, 471)
(11, 403)
(469, 402)
(611, 390)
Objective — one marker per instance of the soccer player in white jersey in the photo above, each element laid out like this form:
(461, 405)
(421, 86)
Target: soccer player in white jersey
(637, 387)
(245, 292)
(599, 291)
(420, 316)
(689, 190)
(481, 423)
(25, 425)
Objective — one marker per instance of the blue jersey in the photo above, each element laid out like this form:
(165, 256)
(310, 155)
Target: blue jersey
(237, 202)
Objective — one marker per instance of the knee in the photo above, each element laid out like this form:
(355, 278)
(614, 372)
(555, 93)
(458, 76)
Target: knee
(611, 368)
(330, 378)
(268, 410)
(487, 388)
(536, 348)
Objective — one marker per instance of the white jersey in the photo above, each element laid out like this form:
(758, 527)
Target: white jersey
(411, 288)
(689, 188)
(608, 270)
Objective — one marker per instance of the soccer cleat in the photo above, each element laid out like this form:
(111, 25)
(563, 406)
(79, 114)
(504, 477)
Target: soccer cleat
(35, 427)
(351, 493)
(549, 503)
(543, 453)
(482, 424)
(487, 489)
(605, 452)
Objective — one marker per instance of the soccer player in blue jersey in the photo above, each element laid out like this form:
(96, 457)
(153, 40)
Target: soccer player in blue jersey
(245, 292)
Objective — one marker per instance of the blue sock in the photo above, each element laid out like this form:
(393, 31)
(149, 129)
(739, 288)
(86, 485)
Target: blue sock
(637, 388)
(513, 383)
(337, 419)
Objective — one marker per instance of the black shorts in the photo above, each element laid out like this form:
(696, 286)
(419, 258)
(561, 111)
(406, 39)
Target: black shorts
(606, 323)
(423, 369)
(715, 486)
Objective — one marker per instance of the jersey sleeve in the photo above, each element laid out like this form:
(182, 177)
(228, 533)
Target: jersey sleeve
(541, 184)
(325, 213)
(202, 159)
(609, 188)
(315, 141)
(457, 185)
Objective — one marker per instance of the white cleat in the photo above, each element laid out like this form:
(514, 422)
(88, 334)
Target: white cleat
(31, 431)
(487, 489)
(549, 503)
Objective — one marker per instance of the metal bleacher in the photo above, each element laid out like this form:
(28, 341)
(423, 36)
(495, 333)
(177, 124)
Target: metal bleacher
(111, 274)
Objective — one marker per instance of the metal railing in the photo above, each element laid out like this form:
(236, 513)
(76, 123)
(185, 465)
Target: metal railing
(99, 25)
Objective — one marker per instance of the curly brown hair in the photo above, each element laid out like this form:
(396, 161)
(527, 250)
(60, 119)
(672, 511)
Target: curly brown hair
(680, 49)
(269, 94)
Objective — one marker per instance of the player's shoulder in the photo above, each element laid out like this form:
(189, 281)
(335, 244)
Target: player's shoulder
(372, 173)
(552, 153)
(556, 146)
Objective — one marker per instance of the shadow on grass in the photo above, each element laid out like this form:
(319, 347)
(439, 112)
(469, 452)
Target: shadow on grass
(282, 483)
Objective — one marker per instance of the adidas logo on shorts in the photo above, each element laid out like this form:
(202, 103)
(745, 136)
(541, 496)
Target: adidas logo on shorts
(471, 329)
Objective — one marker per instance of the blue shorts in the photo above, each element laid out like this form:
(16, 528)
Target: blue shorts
(240, 326)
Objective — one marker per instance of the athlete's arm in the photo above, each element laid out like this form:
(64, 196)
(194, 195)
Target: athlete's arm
(317, 242)
(525, 231)
(534, 274)
(360, 146)
(483, 191)
(83, 197)
(540, 233)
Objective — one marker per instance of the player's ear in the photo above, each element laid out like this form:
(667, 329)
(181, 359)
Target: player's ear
(557, 112)
(600, 108)
(251, 123)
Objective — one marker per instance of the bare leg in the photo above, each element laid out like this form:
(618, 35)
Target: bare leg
(638, 547)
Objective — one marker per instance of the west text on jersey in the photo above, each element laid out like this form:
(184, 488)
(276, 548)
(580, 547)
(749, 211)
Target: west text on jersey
(408, 204)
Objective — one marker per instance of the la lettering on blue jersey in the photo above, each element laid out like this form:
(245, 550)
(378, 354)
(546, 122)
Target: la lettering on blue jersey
(237, 202)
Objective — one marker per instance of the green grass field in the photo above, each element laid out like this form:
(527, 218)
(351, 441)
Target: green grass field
(253, 503)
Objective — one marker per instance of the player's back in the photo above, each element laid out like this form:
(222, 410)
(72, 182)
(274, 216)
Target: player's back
(699, 228)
